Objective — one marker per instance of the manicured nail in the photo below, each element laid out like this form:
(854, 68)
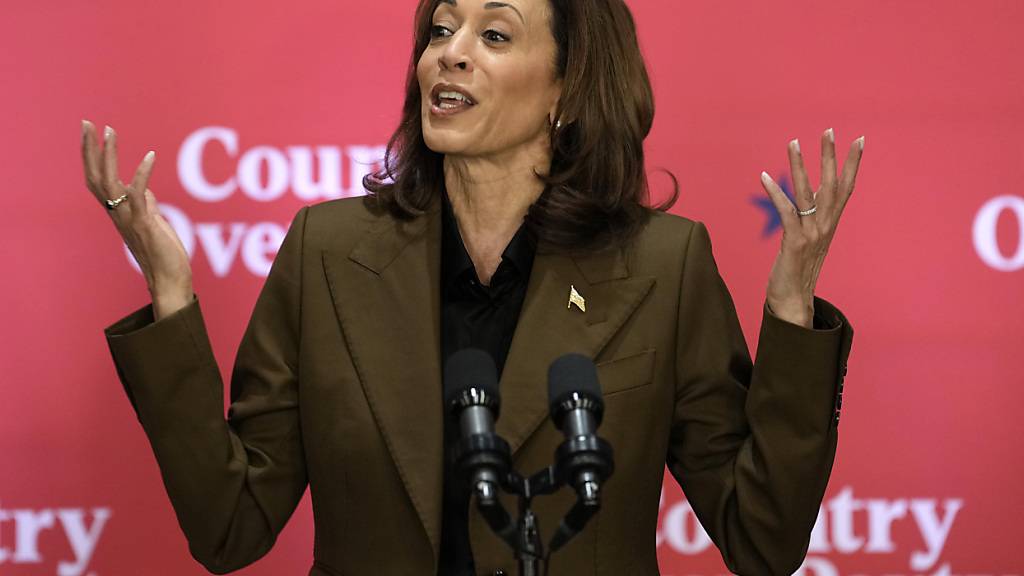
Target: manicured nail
(766, 178)
(107, 131)
(149, 156)
(831, 135)
(796, 145)
(860, 142)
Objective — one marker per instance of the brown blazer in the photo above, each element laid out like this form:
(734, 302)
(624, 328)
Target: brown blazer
(337, 384)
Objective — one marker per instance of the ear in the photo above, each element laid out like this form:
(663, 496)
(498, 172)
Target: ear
(556, 99)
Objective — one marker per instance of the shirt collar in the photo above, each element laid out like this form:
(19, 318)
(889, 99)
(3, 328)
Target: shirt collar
(455, 260)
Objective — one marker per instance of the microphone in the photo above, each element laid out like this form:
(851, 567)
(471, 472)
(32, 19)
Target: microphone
(471, 396)
(583, 461)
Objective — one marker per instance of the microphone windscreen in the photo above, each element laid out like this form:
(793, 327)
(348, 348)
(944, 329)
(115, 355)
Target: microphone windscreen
(469, 368)
(572, 373)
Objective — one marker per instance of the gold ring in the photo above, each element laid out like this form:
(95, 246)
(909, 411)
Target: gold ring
(111, 204)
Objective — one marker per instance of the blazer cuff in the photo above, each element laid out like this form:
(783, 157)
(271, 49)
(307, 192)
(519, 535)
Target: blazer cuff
(151, 354)
(813, 359)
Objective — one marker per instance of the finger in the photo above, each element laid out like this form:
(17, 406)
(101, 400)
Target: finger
(151, 204)
(785, 208)
(804, 194)
(826, 193)
(850, 167)
(91, 161)
(136, 193)
(111, 180)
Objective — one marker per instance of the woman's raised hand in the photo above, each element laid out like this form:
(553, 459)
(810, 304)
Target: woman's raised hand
(808, 227)
(156, 247)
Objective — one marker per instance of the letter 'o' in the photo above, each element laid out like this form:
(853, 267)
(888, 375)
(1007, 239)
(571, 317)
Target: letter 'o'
(984, 233)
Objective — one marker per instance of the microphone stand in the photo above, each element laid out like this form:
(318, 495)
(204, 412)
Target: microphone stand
(524, 538)
(528, 548)
(529, 553)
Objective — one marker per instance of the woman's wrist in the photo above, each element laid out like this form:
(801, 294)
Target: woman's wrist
(799, 313)
(167, 302)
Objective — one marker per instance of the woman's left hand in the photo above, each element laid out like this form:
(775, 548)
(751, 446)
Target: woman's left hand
(807, 228)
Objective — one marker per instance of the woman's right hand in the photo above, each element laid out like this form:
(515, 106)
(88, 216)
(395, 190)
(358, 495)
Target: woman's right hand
(155, 245)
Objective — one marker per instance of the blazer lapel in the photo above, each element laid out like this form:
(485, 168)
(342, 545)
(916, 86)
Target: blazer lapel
(386, 294)
(548, 328)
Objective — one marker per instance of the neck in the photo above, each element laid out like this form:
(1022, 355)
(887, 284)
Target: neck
(490, 198)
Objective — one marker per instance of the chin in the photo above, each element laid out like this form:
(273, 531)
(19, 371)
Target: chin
(447, 141)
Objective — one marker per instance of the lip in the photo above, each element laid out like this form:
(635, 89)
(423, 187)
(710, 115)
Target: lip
(435, 95)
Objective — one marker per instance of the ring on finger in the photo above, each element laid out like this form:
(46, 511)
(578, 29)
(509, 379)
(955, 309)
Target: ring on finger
(809, 211)
(111, 204)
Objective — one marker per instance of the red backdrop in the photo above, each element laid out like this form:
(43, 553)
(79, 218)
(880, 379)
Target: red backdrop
(237, 98)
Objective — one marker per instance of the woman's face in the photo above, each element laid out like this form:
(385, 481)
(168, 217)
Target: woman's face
(487, 77)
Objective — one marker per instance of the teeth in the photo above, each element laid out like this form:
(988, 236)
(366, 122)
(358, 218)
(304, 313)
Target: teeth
(454, 96)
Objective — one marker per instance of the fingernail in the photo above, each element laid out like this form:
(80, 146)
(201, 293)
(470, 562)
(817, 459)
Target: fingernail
(766, 178)
(83, 127)
(107, 131)
(149, 156)
(831, 135)
(795, 144)
(860, 142)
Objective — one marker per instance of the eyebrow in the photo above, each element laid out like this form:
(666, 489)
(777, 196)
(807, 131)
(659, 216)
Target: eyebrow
(491, 5)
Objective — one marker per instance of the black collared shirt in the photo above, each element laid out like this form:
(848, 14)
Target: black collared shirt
(474, 316)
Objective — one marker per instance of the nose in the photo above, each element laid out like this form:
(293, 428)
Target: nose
(455, 55)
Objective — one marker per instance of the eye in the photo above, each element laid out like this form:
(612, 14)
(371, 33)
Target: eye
(495, 36)
(438, 31)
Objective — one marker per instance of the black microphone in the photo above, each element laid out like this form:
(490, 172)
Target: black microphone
(583, 461)
(471, 396)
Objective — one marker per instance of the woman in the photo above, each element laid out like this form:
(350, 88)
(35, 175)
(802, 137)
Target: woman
(514, 181)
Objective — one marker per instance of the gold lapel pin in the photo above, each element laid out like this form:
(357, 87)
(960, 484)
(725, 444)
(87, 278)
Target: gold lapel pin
(577, 299)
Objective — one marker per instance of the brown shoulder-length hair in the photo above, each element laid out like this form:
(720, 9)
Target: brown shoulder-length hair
(596, 192)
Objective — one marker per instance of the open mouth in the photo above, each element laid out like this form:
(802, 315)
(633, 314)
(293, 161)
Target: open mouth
(447, 99)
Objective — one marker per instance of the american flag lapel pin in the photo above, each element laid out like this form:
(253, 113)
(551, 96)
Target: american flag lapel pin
(577, 299)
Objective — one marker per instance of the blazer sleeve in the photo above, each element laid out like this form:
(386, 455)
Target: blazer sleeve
(233, 483)
(752, 445)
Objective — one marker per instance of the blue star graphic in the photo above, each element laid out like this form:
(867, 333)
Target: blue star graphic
(763, 202)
